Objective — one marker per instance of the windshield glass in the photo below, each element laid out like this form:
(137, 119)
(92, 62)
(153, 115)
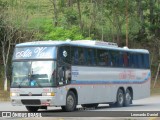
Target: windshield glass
(33, 74)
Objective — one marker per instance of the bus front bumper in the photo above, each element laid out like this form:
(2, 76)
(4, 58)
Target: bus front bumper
(33, 100)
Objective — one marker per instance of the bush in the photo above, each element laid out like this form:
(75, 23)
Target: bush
(49, 32)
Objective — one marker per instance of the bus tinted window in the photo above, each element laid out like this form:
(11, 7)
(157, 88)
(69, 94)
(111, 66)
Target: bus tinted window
(103, 58)
(134, 60)
(74, 55)
(81, 56)
(114, 55)
(91, 57)
(146, 60)
(131, 60)
(64, 54)
(125, 59)
(120, 59)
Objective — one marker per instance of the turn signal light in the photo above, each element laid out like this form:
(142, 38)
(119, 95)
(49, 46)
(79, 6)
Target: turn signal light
(48, 94)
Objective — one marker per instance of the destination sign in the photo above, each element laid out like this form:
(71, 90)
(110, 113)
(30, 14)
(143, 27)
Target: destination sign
(35, 53)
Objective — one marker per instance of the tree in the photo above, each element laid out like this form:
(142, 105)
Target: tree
(79, 12)
(6, 35)
(9, 34)
(127, 22)
(55, 19)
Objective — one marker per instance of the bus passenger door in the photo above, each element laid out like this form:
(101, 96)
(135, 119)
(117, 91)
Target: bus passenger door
(64, 75)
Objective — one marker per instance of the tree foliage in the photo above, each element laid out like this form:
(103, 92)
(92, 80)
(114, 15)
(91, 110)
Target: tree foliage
(135, 21)
(48, 32)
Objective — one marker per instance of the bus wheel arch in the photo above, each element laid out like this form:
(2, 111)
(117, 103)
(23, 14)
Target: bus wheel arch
(71, 100)
(128, 96)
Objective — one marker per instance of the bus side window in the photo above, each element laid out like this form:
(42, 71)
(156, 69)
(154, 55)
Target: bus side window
(85, 56)
(91, 56)
(75, 56)
(81, 56)
(64, 54)
(125, 59)
(120, 59)
(130, 60)
(100, 58)
(113, 58)
(134, 60)
(103, 57)
(146, 59)
(139, 56)
(143, 61)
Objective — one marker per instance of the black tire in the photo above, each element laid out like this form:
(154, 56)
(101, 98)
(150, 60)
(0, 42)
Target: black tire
(128, 98)
(32, 108)
(119, 100)
(95, 105)
(71, 102)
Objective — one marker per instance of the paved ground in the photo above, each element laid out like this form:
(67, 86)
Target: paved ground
(148, 104)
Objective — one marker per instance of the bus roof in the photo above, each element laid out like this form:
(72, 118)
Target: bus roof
(81, 43)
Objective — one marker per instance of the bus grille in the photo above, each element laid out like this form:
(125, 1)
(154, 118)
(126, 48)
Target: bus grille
(31, 102)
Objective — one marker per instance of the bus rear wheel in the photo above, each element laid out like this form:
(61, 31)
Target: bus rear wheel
(120, 99)
(32, 108)
(90, 105)
(71, 102)
(128, 98)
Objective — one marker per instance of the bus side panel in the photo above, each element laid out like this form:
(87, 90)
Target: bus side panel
(100, 84)
(141, 91)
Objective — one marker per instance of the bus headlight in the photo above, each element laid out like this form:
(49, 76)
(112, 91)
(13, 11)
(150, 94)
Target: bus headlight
(14, 94)
(48, 94)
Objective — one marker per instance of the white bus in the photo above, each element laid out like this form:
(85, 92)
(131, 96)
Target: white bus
(71, 73)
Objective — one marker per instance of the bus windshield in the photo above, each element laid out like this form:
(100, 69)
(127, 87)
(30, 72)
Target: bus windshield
(33, 74)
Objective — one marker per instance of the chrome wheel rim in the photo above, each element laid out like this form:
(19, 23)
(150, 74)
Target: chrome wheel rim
(120, 98)
(128, 97)
(70, 101)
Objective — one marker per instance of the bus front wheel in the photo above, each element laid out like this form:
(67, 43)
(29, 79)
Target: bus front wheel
(32, 108)
(71, 102)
